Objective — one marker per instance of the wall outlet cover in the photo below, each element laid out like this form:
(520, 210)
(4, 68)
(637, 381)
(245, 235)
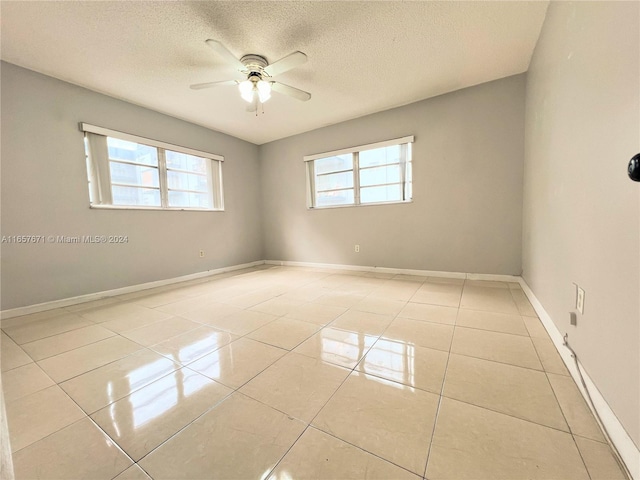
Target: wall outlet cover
(580, 299)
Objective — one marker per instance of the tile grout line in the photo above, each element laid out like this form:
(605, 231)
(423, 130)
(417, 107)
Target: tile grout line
(142, 347)
(514, 416)
(543, 371)
(130, 392)
(497, 361)
(140, 467)
(71, 350)
(85, 417)
(440, 397)
(215, 405)
(53, 382)
(50, 336)
(268, 474)
(386, 460)
(546, 375)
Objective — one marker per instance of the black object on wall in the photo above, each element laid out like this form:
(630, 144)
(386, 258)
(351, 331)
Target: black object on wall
(634, 168)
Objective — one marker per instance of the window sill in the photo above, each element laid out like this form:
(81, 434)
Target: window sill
(360, 205)
(174, 209)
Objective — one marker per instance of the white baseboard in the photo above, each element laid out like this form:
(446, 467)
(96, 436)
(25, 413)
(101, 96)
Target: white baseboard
(66, 302)
(493, 277)
(398, 271)
(619, 436)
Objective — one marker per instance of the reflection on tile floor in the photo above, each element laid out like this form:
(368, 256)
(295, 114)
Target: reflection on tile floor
(287, 373)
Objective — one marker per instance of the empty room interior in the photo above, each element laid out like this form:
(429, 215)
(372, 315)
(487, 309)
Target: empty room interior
(320, 240)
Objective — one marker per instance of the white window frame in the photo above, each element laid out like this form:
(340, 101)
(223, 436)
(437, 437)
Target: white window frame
(99, 177)
(403, 142)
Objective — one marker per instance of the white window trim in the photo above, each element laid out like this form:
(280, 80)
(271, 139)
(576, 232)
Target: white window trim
(361, 148)
(85, 127)
(100, 184)
(355, 151)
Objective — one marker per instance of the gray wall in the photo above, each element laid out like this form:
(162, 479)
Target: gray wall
(467, 210)
(581, 211)
(44, 192)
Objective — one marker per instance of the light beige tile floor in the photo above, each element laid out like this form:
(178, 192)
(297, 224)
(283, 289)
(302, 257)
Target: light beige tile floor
(121, 378)
(319, 455)
(316, 313)
(153, 414)
(436, 293)
(22, 381)
(284, 333)
(53, 345)
(339, 347)
(385, 418)
(194, 344)
(509, 447)
(296, 385)
(429, 313)
(407, 364)
(289, 372)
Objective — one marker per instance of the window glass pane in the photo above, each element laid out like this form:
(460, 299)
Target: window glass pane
(131, 152)
(189, 199)
(135, 196)
(380, 175)
(334, 181)
(186, 181)
(182, 161)
(333, 164)
(380, 156)
(388, 193)
(339, 197)
(133, 174)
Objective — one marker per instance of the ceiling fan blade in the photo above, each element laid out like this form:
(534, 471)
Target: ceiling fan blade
(200, 86)
(286, 63)
(291, 91)
(221, 50)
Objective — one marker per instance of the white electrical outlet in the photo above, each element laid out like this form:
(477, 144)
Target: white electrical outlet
(579, 299)
(357, 248)
(201, 253)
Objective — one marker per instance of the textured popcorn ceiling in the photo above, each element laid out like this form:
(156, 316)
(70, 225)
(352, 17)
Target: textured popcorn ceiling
(364, 57)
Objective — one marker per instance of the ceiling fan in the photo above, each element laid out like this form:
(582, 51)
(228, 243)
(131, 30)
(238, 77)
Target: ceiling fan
(256, 89)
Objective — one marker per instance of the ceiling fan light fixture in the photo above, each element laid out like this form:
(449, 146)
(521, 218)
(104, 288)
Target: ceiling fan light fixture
(246, 90)
(264, 90)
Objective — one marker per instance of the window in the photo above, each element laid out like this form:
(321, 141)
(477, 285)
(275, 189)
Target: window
(126, 171)
(365, 175)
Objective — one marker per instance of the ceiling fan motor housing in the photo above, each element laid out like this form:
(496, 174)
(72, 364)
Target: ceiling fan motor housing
(255, 65)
